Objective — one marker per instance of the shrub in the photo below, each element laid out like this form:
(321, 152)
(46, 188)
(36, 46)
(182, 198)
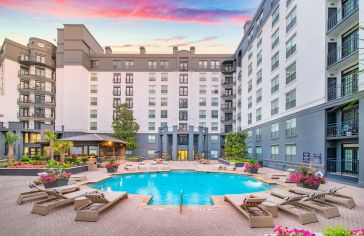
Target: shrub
(336, 231)
(84, 160)
(25, 158)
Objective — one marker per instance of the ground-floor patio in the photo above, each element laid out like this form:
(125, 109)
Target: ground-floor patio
(131, 217)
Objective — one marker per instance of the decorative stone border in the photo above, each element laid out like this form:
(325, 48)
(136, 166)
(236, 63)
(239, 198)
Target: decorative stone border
(35, 171)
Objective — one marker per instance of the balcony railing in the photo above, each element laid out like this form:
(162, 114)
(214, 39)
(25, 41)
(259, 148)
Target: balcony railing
(29, 101)
(33, 59)
(227, 69)
(227, 94)
(347, 88)
(341, 53)
(342, 14)
(227, 82)
(345, 129)
(37, 88)
(227, 106)
(343, 167)
(26, 73)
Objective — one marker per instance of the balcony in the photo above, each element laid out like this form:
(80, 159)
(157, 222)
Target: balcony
(35, 116)
(36, 103)
(227, 82)
(344, 55)
(32, 60)
(343, 18)
(24, 75)
(47, 90)
(227, 107)
(227, 95)
(343, 169)
(347, 88)
(343, 130)
(228, 119)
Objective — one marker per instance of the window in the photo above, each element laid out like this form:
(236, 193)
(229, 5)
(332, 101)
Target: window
(250, 69)
(258, 152)
(275, 16)
(274, 150)
(152, 64)
(164, 114)
(291, 99)
(259, 95)
(151, 153)
(215, 77)
(183, 115)
(41, 72)
(151, 139)
(202, 102)
(164, 124)
(250, 102)
(259, 77)
(259, 19)
(116, 64)
(215, 64)
(291, 73)
(183, 79)
(249, 135)
(274, 131)
(275, 84)
(291, 20)
(93, 113)
(151, 101)
(151, 125)
(152, 77)
(258, 134)
(183, 66)
(214, 126)
(128, 152)
(202, 64)
(116, 102)
(129, 64)
(183, 103)
(260, 41)
(202, 89)
(164, 76)
(93, 101)
(151, 89)
(182, 139)
(275, 61)
(259, 114)
(214, 102)
(291, 152)
(202, 114)
(116, 91)
(202, 124)
(214, 139)
(40, 58)
(93, 75)
(164, 89)
(93, 125)
(214, 114)
(288, 2)
(250, 117)
(93, 88)
(151, 114)
(249, 151)
(94, 64)
(291, 46)
(182, 126)
(215, 89)
(214, 154)
(275, 39)
(250, 85)
(203, 77)
(259, 58)
(129, 78)
(129, 91)
(164, 65)
(129, 102)
(117, 78)
(274, 107)
(183, 91)
(291, 127)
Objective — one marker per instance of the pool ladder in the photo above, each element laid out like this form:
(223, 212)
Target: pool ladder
(181, 201)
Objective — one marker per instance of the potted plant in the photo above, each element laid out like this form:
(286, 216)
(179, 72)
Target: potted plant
(111, 166)
(54, 178)
(252, 167)
(307, 178)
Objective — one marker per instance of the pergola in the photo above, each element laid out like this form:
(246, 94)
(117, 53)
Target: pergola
(101, 145)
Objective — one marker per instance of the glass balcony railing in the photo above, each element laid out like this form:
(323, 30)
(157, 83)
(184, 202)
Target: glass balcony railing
(342, 14)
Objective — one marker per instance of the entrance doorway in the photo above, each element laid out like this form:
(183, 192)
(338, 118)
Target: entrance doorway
(349, 159)
(182, 155)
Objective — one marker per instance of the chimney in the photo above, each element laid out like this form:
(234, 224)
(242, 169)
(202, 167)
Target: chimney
(108, 50)
(175, 50)
(246, 26)
(192, 50)
(142, 50)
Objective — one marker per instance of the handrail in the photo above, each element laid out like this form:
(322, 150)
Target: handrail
(180, 201)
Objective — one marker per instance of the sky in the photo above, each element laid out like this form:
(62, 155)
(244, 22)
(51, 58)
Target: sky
(212, 26)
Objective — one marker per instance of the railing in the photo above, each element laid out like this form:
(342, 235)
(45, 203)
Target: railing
(227, 82)
(347, 9)
(345, 129)
(22, 72)
(227, 94)
(347, 88)
(227, 69)
(347, 49)
(227, 106)
(30, 58)
(37, 88)
(343, 167)
(181, 201)
(29, 101)
(35, 115)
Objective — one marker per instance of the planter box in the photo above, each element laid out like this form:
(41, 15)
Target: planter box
(35, 171)
(112, 170)
(57, 183)
(303, 185)
(253, 170)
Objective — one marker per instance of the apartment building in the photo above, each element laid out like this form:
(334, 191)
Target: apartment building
(176, 98)
(27, 92)
(297, 70)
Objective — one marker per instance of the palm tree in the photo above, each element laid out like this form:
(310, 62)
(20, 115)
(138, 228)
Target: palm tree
(50, 137)
(62, 147)
(10, 139)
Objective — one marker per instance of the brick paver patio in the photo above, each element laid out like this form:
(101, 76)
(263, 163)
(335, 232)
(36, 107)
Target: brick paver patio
(129, 217)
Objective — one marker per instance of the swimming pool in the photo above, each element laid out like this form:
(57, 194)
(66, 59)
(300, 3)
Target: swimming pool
(197, 187)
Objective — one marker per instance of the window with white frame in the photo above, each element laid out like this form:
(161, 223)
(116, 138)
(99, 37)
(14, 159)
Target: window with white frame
(274, 131)
(214, 126)
(291, 46)
(291, 127)
(291, 152)
(164, 89)
(93, 113)
(259, 77)
(249, 151)
(214, 89)
(249, 135)
(202, 89)
(291, 99)
(164, 102)
(275, 61)
(93, 75)
(151, 102)
(214, 102)
(275, 16)
(275, 84)
(152, 64)
(151, 114)
(258, 152)
(250, 69)
(214, 114)
(164, 76)
(152, 77)
(151, 139)
(274, 152)
(258, 134)
(129, 64)
(259, 58)
(151, 153)
(291, 73)
(250, 85)
(183, 78)
(275, 39)
(274, 107)
(202, 64)
(214, 154)
(259, 95)
(291, 20)
(152, 89)
(250, 102)
(215, 64)
(250, 118)
(203, 77)
(151, 125)
(164, 113)
(164, 64)
(129, 78)
(93, 125)
(258, 114)
(214, 139)
(202, 114)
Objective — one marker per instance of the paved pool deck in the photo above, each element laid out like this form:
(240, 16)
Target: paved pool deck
(132, 217)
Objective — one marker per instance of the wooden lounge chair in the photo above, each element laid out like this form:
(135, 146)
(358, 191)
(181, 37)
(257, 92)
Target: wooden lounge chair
(331, 195)
(98, 203)
(39, 193)
(142, 167)
(292, 206)
(78, 178)
(313, 201)
(56, 199)
(250, 208)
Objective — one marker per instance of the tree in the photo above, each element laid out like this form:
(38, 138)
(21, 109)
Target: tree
(62, 147)
(50, 137)
(125, 127)
(10, 139)
(235, 146)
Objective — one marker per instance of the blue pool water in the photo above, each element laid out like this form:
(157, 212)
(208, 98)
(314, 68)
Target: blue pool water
(197, 186)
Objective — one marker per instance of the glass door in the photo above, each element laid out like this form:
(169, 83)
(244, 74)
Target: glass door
(350, 159)
(182, 155)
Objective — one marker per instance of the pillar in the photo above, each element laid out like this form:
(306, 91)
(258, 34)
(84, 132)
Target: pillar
(123, 152)
(190, 143)
(174, 143)
(338, 145)
(200, 141)
(165, 140)
(361, 143)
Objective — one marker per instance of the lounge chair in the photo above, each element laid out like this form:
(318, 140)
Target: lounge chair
(291, 205)
(56, 199)
(39, 193)
(142, 167)
(153, 165)
(204, 161)
(331, 195)
(313, 201)
(250, 208)
(165, 166)
(130, 167)
(231, 168)
(98, 203)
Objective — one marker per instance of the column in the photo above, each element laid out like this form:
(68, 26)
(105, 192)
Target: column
(338, 146)
(165, 140)
(200, 141)
(361, 143)
(174, 143)
(190, 143)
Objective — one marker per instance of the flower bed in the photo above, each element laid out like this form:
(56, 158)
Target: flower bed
(54, 178)
(252, 167)
(28, 166)
(328, 231)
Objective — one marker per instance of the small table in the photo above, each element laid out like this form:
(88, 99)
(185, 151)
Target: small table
(271, 207)
(80, 202)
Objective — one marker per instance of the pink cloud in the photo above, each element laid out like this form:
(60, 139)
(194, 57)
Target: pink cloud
(175, 38)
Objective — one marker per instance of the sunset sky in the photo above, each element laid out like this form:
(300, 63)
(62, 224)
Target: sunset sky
(214, 26)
